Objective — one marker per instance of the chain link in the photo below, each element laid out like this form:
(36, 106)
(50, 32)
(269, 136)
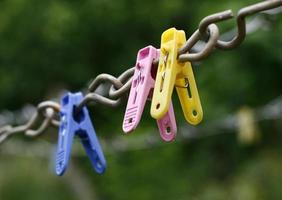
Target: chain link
(48, 111)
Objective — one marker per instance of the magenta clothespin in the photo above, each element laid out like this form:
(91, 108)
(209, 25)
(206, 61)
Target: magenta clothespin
(142, 86)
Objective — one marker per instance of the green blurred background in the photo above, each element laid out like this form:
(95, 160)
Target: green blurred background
(47, 46)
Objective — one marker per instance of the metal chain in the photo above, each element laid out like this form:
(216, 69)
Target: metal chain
(205, 30)
(119, 87)
(48, 111)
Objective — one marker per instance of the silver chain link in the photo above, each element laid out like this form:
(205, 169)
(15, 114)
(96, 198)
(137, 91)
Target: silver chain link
(47, 113)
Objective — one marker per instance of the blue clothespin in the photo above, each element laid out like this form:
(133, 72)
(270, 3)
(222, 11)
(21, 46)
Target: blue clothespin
(80, 125)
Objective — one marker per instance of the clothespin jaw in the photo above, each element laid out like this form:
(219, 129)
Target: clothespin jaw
(188, 95)
(77, 124)
(171, 73)
(141, 89)
(167, 125)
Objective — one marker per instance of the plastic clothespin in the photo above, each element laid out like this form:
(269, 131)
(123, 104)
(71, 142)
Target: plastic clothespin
(77, 125)
(141, 89)
(172, 73)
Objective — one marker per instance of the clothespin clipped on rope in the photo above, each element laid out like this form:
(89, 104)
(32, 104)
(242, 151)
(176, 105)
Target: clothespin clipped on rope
(248, 130)
(141, 89)
(77, 124)
(172, 73)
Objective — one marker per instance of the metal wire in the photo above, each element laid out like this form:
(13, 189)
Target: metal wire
(47, 113)
(228, 124)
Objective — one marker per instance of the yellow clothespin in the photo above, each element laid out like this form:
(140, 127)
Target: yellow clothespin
(248, 130)
(172, 73)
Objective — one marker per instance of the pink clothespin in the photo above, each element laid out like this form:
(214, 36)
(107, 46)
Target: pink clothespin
(142, 87)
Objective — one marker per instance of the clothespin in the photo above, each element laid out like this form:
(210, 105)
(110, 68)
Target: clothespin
(77, 124)
(172, 73)
(141, 90)
(248, 130)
